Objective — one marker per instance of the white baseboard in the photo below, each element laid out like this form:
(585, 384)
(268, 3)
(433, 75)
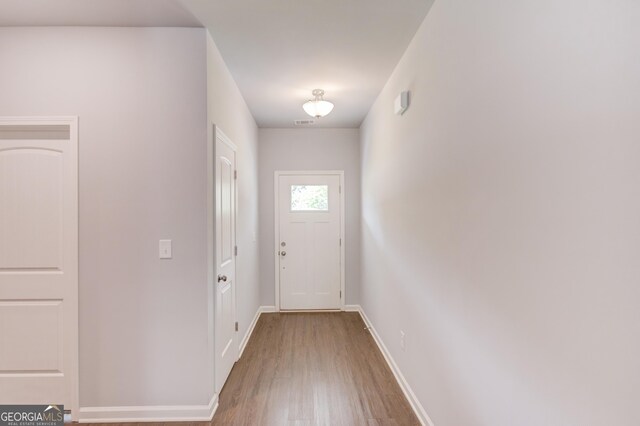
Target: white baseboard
(174, 413)
(347, 308)
(406, 389)
(249, 332)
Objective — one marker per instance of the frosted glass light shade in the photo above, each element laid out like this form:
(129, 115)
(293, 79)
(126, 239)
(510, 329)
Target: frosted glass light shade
(317, 108)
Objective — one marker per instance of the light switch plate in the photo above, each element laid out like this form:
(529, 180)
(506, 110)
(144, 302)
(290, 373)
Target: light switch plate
(165, 249)
(402, 103)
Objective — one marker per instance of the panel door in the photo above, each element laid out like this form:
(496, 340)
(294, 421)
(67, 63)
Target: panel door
(226, 344)
(309, 247)
(38, 268)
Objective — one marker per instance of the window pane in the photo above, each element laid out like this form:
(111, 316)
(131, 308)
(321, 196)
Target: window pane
(309, 197)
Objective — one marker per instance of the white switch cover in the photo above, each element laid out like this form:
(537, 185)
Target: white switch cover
(402, 103)
(165, 249)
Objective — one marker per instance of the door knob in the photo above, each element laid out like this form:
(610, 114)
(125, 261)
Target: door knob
(222, 278)
(283, 253)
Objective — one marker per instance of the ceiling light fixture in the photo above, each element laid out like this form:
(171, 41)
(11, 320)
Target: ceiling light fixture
(317, 107)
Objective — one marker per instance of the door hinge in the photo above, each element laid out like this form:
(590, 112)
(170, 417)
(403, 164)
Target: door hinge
(340, 294)
(235, 250)
(340, 242)
(236, 325)
(339, 189)
(235, 174)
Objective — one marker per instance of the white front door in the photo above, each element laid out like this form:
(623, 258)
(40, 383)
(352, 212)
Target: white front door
(309, 241)
(226, 345)
(38, 261)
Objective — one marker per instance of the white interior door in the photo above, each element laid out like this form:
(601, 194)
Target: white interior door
(309, 241)
(226, 346)
(38, 261)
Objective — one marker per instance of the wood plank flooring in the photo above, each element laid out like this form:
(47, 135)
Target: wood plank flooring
(308, 369)
(312, 369)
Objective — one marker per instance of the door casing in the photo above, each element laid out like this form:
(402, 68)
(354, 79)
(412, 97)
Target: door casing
(276, 242)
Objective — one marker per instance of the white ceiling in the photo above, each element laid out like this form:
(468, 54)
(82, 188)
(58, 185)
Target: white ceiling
(108, 13)
(278, 51)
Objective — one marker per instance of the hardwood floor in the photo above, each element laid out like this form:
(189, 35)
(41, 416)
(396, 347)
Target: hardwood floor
(312, 369)
(304, 369)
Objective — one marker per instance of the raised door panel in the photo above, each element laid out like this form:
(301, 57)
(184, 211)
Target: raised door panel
(225, 200)
(32, 337)
(31, 225)
(294, 265)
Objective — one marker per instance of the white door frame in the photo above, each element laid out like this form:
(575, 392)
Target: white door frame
(72, 333)
(276, 242)
(211, 241)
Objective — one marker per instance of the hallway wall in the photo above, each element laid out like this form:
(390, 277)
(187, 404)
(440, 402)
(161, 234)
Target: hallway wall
(228, 111)
(141, 101)
(146, 100)
(500, 213)
(309, 149)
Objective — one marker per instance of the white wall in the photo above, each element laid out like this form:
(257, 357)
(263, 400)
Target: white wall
(309, 149)
(229, 112)
(500, 214)
(144, 97)
(141, 101)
